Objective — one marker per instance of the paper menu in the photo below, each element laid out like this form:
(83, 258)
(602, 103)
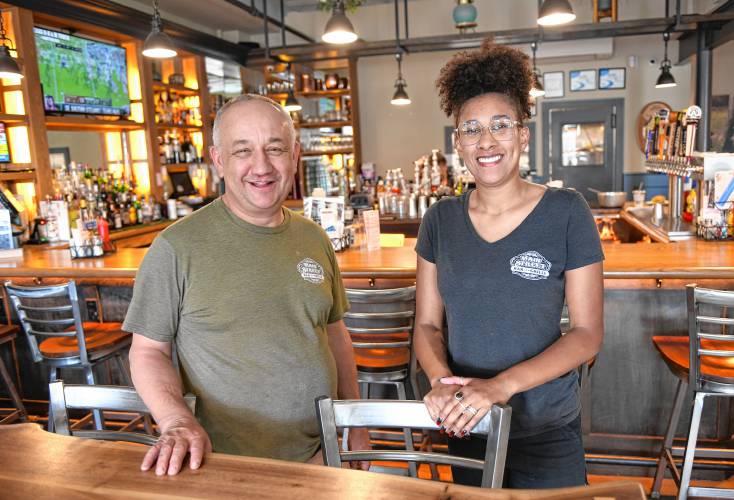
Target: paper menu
(372, 228)
(6, 230)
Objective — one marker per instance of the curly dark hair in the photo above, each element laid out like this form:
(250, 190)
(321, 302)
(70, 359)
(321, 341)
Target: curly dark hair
(491, 68)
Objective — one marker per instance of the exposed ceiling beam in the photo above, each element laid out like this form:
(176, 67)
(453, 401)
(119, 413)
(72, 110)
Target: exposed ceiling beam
(135, 23)
(250, 9)
(723, 33)
(317, 52)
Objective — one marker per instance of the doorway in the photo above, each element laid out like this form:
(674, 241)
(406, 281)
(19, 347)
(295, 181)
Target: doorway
(584, 144)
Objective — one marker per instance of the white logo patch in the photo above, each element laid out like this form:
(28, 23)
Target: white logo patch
(530, 265)
(311, 271)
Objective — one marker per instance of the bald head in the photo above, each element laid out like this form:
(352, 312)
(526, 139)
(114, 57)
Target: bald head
(242, 101)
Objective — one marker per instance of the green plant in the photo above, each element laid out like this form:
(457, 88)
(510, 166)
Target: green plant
(350, 5)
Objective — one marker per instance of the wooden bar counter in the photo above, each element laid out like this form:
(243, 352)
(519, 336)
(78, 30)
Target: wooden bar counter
(41, 465)
(694, 259)
(631, 392)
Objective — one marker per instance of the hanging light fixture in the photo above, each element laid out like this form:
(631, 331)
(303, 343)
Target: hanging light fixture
(8, 65)
(157, 44)
(537, 90)
(339, 29)
(291, 103)
(555, 12)
(665, 79)
(400, 97)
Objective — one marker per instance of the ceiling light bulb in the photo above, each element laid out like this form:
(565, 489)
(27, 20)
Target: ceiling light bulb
(8, 66)
(157, 44)
(339, 29)
(555, 12)
(400, 98)
(666, 78)
(291, 103)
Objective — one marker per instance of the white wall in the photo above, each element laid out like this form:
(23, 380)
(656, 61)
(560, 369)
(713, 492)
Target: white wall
(393, 137)
(84, 147)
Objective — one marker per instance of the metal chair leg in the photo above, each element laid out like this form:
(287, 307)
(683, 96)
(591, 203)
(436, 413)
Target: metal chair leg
(97, 414)
(17, 401)
(685, 478)
(364, 389)
(52, 376)
(664, 460)
(407, 432)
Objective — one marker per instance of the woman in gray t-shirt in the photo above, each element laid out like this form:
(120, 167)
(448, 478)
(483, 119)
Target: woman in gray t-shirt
(500, 261)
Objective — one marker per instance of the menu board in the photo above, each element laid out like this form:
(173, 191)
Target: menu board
(4, 149)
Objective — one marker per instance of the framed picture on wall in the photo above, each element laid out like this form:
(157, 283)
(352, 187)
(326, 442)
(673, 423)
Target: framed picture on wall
(59, 157)
(582, 80)
(553, 83)
(612, 78)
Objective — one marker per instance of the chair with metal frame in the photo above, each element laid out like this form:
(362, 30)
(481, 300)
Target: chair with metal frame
(380, 323)
(67, 341)
(704, 361)
(64, 397)
(18, 412)
(333, 415)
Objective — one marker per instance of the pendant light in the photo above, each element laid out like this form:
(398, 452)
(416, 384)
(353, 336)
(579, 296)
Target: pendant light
(339, 29)
(555, 12)
(8, 65)
(400, 97)
(158, 45)
(537, 90)
(665, 79)
(291, 103)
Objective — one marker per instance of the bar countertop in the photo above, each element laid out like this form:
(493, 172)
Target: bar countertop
(681, 260)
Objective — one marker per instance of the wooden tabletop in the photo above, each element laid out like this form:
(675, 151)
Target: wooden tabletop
(39, 465)
(694, 259)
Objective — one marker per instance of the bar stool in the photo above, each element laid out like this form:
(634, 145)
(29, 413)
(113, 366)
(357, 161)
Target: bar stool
(7, 335)
(67, 341)
(380, 323)
(705, 362)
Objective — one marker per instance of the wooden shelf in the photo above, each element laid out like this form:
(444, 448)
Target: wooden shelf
(84, 123)
(312, 93)
(179, 89)
(19, 176)
(164, 126)
(325, 93)
(7, 88)
(340, 151)
(337, 124)
(8, 118)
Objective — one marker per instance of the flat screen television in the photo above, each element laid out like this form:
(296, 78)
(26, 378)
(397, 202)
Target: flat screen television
(79, 75)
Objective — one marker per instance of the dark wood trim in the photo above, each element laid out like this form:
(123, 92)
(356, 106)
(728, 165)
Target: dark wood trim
(119, 18)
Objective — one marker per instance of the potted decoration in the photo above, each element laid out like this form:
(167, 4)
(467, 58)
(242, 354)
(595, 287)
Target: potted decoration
(465, 15)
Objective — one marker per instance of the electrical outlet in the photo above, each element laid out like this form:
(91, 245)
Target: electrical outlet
(92, 310)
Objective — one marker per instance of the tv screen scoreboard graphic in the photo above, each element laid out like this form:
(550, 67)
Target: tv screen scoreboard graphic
(80, 75)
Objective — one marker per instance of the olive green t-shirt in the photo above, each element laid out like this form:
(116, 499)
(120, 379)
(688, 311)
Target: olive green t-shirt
(247, 307)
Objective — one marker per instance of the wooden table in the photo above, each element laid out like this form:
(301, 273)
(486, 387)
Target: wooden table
(39, 465)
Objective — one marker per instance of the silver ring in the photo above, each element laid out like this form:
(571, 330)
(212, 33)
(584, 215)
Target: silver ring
(471, 409)
(458, 395)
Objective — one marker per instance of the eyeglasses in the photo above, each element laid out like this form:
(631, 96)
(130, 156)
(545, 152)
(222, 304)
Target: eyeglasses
(470, 132)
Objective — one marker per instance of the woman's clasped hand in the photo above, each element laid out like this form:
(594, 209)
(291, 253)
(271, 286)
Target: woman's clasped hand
(458, 404)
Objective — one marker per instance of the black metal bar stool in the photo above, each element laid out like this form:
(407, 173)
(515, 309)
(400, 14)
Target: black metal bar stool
(58, 338)
(704, 361)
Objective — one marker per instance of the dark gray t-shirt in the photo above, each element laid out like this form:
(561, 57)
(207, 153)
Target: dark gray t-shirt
(503, 300)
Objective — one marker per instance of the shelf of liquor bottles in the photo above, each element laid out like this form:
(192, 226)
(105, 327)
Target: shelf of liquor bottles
(338, 151)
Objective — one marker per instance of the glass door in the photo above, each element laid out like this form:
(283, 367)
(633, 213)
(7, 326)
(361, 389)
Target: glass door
(583, 145)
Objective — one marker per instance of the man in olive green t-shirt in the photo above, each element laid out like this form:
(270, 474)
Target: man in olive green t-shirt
(252, 297)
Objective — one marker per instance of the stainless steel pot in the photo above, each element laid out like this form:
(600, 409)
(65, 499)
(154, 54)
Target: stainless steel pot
(610, 199)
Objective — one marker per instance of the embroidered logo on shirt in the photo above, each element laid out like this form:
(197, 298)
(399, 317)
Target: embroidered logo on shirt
(311, 271)
(530, 265)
